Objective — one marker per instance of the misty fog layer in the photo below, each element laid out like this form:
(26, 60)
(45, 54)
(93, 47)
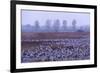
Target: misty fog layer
(50, 21)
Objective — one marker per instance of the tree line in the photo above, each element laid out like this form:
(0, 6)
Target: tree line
(56, 26)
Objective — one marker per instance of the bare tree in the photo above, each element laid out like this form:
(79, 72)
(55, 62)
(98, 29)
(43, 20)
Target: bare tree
(48, 25)
(74, 24)
(36, 26)
(64, 25)
(56, 25)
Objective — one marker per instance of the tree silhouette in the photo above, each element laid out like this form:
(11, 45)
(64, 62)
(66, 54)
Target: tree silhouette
(64, 25)
(37, 26)
(56, 25)
(48, 25)
(74, 24)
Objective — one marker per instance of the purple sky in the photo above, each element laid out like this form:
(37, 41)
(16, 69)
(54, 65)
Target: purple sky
(28, 17)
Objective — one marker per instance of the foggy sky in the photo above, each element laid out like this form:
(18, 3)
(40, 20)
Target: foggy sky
(28, 17)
